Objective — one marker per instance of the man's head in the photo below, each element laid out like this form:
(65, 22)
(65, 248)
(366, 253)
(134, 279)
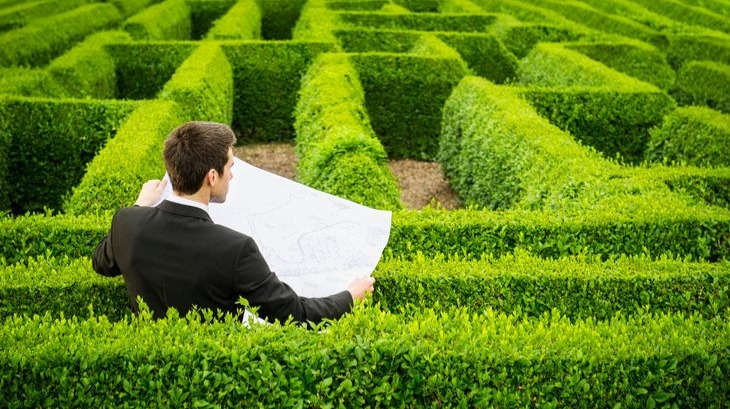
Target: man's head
(200, 152)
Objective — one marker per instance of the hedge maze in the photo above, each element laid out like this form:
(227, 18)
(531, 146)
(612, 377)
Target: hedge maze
(588, 141)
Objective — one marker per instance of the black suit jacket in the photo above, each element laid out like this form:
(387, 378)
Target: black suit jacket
(174, 255)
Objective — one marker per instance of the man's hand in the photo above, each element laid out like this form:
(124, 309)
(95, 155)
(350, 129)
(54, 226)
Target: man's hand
(360, 286)
(151, 192)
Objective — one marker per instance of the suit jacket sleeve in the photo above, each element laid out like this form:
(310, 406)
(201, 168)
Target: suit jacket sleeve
(103, 260)
(276, 300)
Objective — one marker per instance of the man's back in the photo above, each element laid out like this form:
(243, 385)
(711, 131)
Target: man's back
(175, 256)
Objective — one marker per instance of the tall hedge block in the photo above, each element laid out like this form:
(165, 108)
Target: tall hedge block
(422, 22)
(204, 13)
(498, 153)
(169, 20)
(633, 58)
(361, 40)
(335, 142)
(486, 360)
(279, 17)
(112, 182)
(21, 14)
(88, 70)
(704, 83)
(39, 42)
(143, 68)
(203, 86)
(241, 22)
(688, 13)
(29, 82)
(316, 22)
(266, 77)
(684, 48)
(404, 96)
(693, 135)
(520, 38)
(5, 141)
(485, 55)
(131, 7)
(51, 143)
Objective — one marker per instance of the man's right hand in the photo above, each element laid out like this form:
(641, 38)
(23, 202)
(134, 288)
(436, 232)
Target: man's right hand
(151, 192)
(359, 287)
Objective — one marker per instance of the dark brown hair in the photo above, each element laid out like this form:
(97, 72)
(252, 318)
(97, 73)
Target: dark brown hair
(194, 148)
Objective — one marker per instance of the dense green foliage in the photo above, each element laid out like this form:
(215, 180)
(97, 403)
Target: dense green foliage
(448, 356)
(29, 82)
(44, 39)
(241, 22)
(169, 20)
(693, 135)
(279, 18)
(704, 83)
(335, 142)
(88, 70)
(21, 14)
(51, 141)
(111, 183)
(203, 86)
(404, 96)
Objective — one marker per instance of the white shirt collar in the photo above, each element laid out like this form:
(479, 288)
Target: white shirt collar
(187, 202)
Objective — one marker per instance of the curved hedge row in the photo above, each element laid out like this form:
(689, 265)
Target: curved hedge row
(368, 358)
(335, 143)
(241, 22)
(169, 20)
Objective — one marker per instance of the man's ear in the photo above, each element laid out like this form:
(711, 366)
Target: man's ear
(212, 177)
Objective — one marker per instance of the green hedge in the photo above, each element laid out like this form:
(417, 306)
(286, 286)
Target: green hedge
(576, 287)
(33, 236)
(485, 55)
(684, 48)
(143, 68)
(704, 185)
(88, 70)
(169, 20)
(369, 358)
(581, 13)
(360, 40)
(266, 77)
(21, 14)
(203, 86)
(5, 141)
(39, 42)
(520, 38)
(116, 174)
(241, 22)
(419, 22)
(335, 143)
(704, 83)
(29, 82)
(204, 12)
(600, 106)
(363, 5)
(693, 135)
(60, 286)
(639, 60)
(687, 14)
(51, 141)
(131, 7)
(530, 13)
(420, 6)
(498, 153)
(315, 23)
(459, 6)
(404, 96)
(279, 17)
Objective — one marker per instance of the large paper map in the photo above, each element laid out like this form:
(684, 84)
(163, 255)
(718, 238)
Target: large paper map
(315, 242)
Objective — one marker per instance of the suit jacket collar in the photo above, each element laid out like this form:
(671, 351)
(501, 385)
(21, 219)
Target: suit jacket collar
(183, 210)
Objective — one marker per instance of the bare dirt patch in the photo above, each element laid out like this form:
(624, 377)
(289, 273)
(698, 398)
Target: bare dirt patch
(421, 183)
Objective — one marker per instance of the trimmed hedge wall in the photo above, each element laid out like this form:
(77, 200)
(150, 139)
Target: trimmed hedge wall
(704, 83)
(39, 42)
(88, 70)
(51, 142)
(710, 186)
(578, 288)
(203, 86)
(498, 153)
(485, 55)
(693, 135)
(517, 284)
(131, 7)
(335, 142)
(404, 96)
(684, 48)
(639, 60)
(241, 22)
(29, 82)
(369, 358)
(21, 14)
(420, 22)
(143, 68)
(111, 183)
(279, 18)
(266, 77)
(360, 40)
(169, 20)
(315, 23)
(520, 38)
(204, 12)
(61, 287)
(687, 14)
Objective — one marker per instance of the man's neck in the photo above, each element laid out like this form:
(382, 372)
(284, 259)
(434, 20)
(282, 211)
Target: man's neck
(200, 196)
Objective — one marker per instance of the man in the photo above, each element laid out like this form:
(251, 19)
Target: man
(173, 255)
